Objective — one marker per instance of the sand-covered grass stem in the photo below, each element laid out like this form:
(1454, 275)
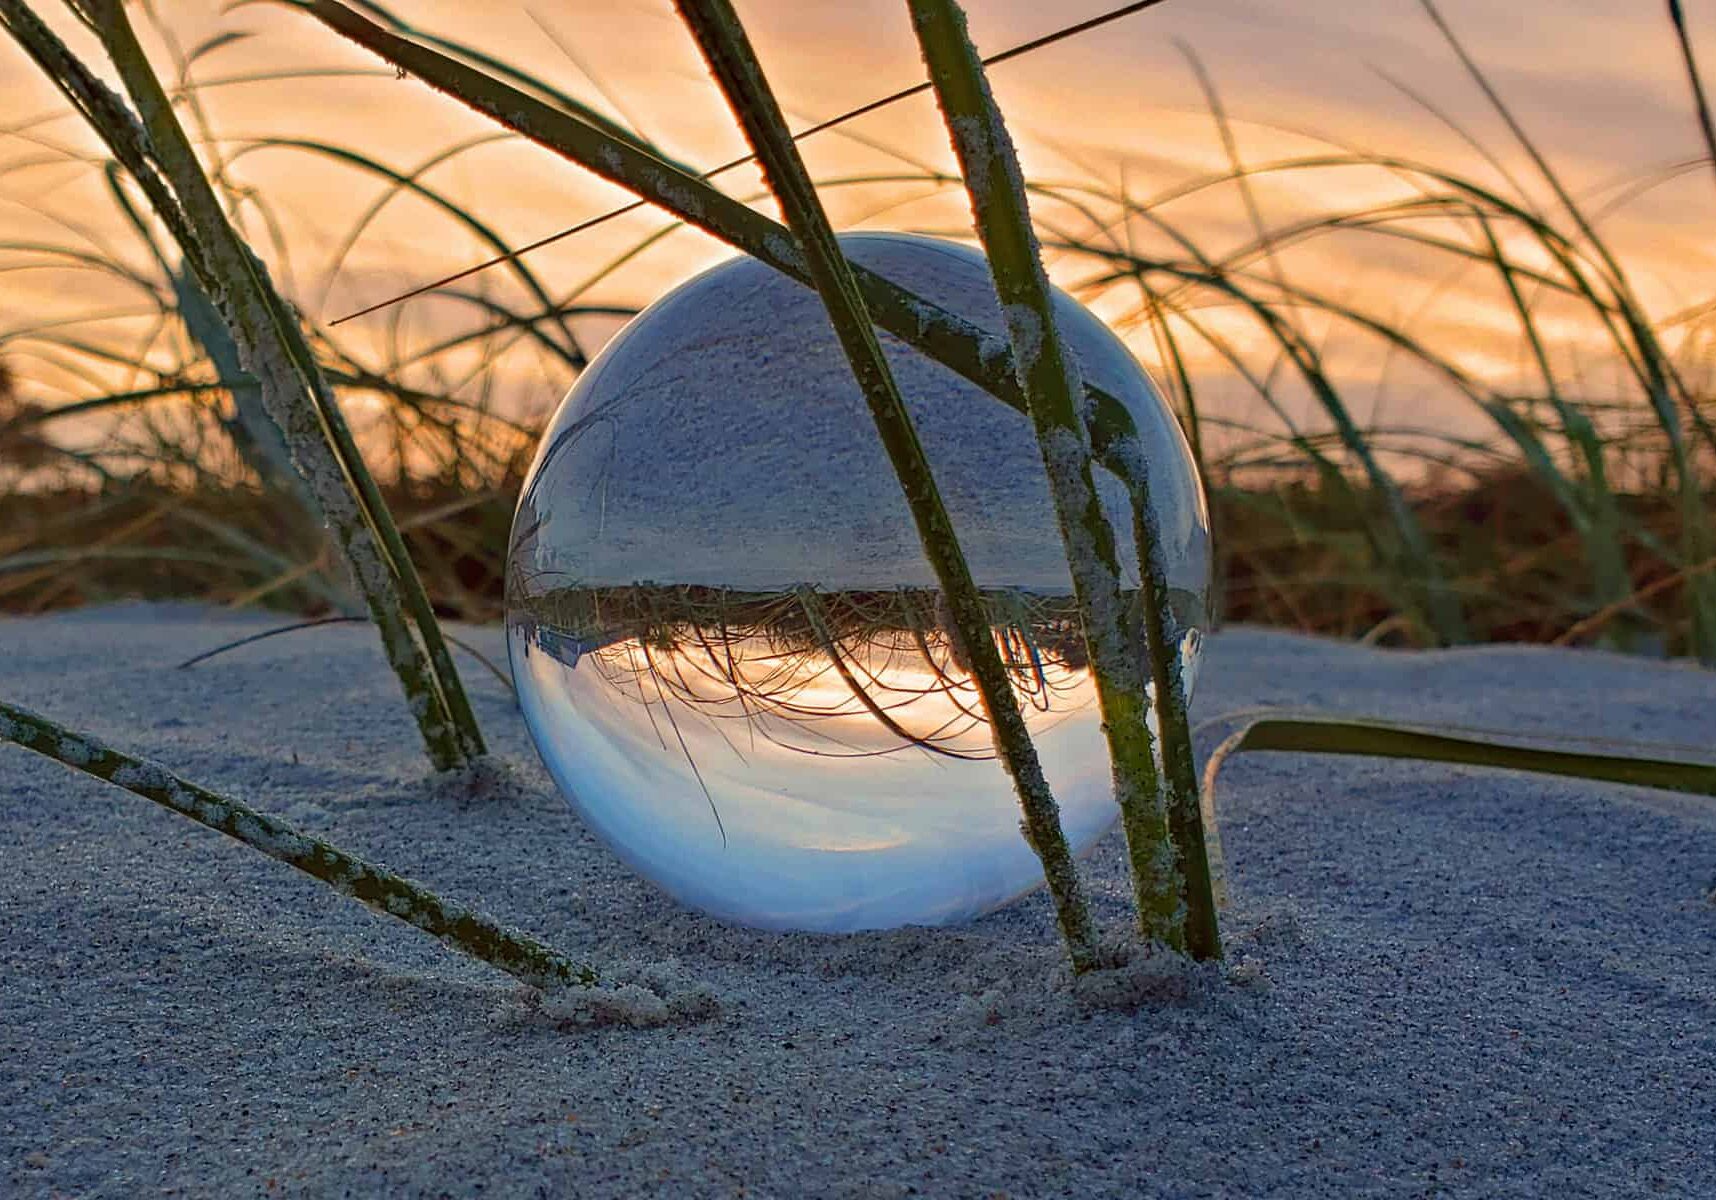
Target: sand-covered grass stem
(1171, 890)
(464, 929)
(732, 61)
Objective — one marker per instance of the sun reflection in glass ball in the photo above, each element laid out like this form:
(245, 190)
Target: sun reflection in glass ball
(728, 647)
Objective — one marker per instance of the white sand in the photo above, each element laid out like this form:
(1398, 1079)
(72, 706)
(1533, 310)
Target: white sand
(1471, 983)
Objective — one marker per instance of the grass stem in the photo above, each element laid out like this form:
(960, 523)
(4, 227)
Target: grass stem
(733, 63)
(1054, 390)
(464, 929)
(153, 147)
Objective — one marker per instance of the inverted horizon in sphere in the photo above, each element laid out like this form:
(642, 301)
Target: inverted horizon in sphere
(730, 651)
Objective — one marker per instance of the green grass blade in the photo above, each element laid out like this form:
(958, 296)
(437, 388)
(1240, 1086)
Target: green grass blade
(1387, 739)
(1700, 102)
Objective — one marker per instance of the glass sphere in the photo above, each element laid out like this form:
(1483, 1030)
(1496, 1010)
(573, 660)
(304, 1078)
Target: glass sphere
(730, 651)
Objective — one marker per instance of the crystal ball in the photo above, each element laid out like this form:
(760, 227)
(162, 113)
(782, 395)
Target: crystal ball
(730, 651)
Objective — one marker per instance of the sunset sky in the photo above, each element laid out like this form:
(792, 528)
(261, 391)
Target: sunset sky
(1599, 82)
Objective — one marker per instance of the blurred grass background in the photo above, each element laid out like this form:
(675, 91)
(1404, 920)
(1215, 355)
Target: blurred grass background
(1553, 473)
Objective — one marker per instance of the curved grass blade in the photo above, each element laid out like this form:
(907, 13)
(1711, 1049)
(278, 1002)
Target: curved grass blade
(409, 182)
(919, 89)
(1388, 739)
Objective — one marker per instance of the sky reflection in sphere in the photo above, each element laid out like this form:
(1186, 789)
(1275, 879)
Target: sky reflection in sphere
(729, 649)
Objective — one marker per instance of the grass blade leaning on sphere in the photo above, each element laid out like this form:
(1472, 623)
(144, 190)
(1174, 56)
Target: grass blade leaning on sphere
(956, 343)
(1162, 822)
(734, 65)
(1012, 52)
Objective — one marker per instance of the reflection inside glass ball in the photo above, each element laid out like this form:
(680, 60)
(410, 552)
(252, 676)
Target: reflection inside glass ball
(729, 649)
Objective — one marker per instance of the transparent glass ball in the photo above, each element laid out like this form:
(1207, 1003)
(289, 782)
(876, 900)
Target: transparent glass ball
(730, 651)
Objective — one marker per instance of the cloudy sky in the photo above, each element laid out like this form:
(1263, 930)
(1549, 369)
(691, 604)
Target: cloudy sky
(1599, 82)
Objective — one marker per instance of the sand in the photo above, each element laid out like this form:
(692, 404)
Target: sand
(1442, 981)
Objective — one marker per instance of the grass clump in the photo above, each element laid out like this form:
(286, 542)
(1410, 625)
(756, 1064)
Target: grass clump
(1572, 518)
(1583, 514)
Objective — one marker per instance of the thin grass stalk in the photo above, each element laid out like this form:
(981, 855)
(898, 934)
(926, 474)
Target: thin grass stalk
(1700, 102)
(1054, 389)
(1230, 147)
(160, 157)
(734, 65)
(464, 929)
(1597, 519)
(1168, 350)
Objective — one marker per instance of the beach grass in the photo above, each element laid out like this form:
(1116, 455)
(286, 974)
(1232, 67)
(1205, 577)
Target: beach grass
(1584, 513)
(1309, 522)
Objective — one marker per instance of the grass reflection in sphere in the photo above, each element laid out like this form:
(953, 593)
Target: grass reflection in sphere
(729, 649)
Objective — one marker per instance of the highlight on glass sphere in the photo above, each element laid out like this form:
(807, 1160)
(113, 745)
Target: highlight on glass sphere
(730, 651)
